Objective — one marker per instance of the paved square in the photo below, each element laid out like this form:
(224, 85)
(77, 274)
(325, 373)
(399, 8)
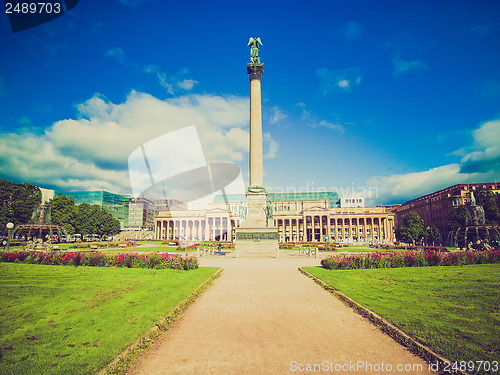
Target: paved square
(262, 316)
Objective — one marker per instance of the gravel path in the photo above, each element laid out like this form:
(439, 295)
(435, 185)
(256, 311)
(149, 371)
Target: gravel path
(262, 316)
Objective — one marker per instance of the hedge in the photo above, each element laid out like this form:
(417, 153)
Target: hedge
(395, 259)
(96, 259)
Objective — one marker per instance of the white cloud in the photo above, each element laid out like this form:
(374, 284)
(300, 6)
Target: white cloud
(343, 83)
(482, 164)
(187, 84)
(277, 115)
(91, 150)
(116, 53)
(171, 83)
(486, 155)
(311, 120)
(338, 79)
(402, 66)
(272, 146)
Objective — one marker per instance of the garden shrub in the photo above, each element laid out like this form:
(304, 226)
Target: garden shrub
(394, 259)
(96, 259)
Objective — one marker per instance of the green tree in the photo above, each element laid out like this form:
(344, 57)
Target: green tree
(105, 225)
(83, 219)
(411, 228)
(432, 235)
(94, 219)
(17, 202)
(458, 218)
(487, 200)
(64, 212)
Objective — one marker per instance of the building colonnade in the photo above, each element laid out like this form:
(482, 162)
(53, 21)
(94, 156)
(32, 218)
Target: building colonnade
(212, 228)
(318, 224)
(336, 228)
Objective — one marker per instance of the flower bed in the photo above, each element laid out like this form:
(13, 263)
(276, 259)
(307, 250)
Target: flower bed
(394, 259)
(187, 248)
(96, 259)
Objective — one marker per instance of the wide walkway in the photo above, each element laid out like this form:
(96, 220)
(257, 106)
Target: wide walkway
(262, 316)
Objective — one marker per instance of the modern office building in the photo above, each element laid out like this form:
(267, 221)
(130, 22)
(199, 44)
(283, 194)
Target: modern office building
(141, 213)
(117, 205)
(435, 208)
(299, 217)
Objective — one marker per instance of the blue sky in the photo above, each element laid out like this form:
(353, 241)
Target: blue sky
(393, 98)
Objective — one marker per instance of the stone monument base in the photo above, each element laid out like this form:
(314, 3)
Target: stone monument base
(256, 242)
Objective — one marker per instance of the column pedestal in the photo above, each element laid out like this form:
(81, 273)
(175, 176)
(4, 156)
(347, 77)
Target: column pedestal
(257, 242)
(254, 237)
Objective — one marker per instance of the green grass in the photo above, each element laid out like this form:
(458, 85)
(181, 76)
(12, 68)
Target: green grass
(141, 249)
(76, 320)
(454, 310)
(356, 249)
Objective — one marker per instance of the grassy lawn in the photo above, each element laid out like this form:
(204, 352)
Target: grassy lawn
(141, 249)
(356, 249)
(76, 320)
(453, 310)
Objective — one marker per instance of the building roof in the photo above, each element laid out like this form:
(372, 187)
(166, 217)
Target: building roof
(96, 197)
(331, 196)
(453, 188)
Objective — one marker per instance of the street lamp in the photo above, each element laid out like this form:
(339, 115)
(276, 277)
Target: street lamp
(9, 227)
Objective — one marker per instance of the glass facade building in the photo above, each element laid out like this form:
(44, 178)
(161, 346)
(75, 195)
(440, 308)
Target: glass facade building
(117, 205)
(331, 197)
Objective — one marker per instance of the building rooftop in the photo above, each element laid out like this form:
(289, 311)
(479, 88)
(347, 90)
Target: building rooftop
(331, 197)
(452, 189)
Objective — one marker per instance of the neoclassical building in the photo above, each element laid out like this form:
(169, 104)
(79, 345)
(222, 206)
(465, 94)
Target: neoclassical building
(299, 217)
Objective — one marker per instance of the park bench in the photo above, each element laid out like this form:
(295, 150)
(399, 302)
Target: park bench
(211, 251)
(122, 245)
(309, 251)
(221, 252)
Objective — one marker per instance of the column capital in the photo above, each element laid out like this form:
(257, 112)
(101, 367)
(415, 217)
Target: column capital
(255, 70)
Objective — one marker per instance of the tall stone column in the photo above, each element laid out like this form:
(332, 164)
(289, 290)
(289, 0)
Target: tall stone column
(256, 193)
(255, 72)
(256, 235)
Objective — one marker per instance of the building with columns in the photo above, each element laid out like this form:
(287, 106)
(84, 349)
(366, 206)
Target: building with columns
(299, 217)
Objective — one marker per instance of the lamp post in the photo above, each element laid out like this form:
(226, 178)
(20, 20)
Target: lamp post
(9, 227)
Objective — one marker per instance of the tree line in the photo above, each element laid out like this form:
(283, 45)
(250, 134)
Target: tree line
(17, 202)
(84, 218)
